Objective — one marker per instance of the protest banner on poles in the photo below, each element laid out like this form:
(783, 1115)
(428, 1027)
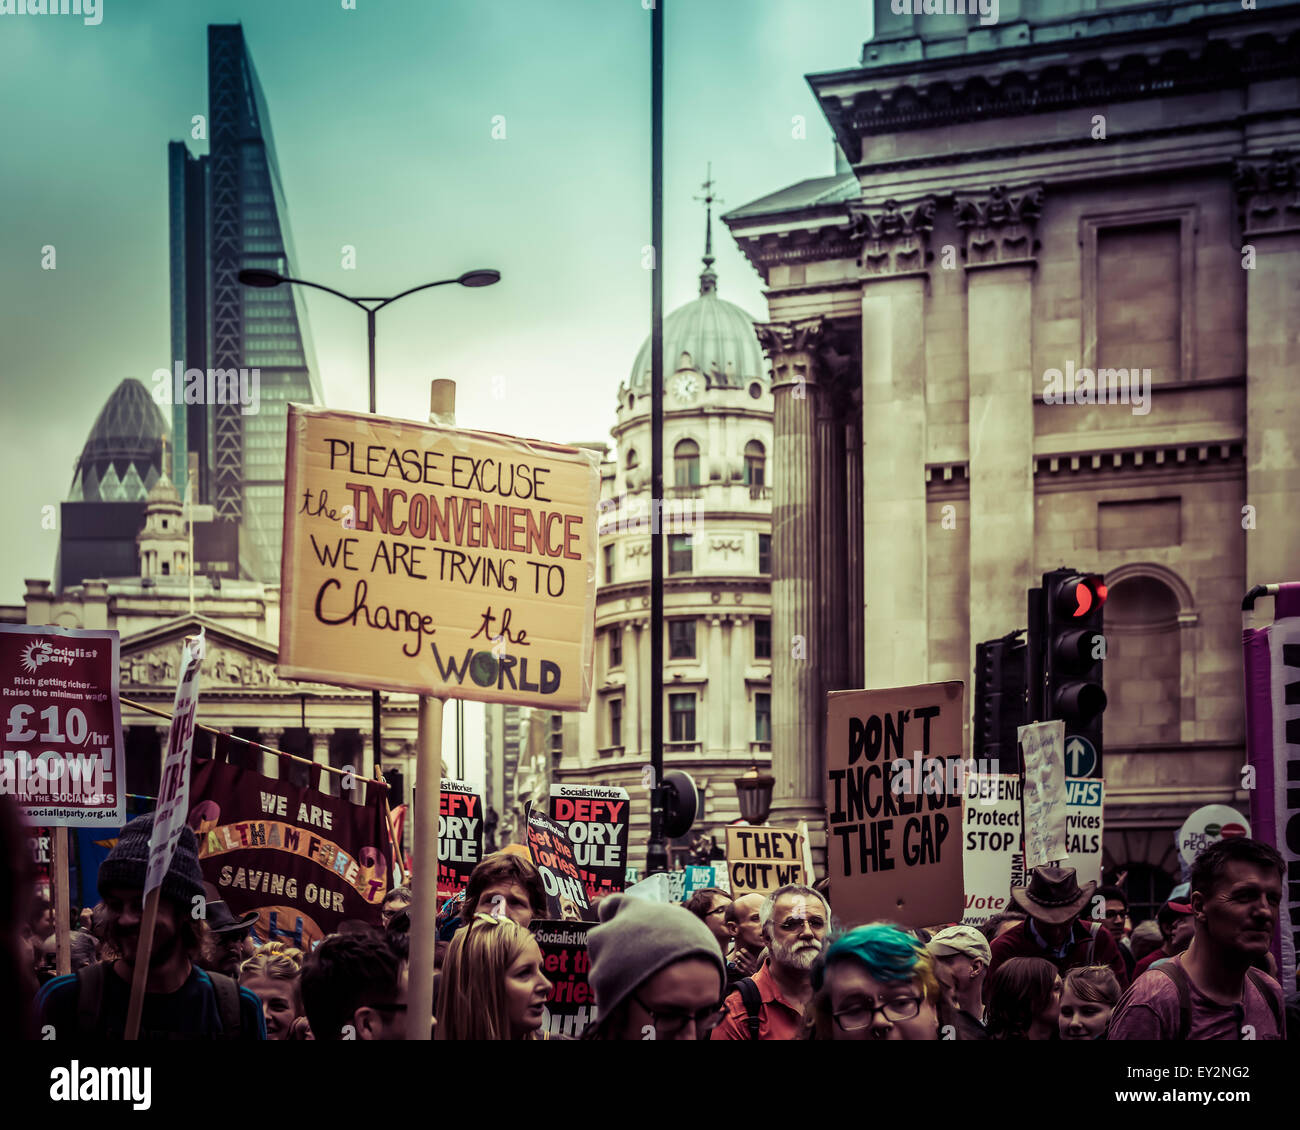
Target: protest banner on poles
(169, 815)
(304, 860)
(452, 563)
(571, 1006)
(598, 820)
(553, 856)
(460, 836)
(993, 846)
(893, 837)
(1042, 753)
(761, 859)
(63, 759)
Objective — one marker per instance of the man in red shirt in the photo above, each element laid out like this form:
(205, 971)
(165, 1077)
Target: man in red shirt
(1176, 927)
(1053, 901)
(794, 920)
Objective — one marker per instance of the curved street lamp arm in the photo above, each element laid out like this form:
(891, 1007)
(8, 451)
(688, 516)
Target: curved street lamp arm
(327, 290)
(423, 286)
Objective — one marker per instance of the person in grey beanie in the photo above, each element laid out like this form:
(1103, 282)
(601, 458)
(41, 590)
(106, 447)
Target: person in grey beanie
(656, 970)
(181, 1001)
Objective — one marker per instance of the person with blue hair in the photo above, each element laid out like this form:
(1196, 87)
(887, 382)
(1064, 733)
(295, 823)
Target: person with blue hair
(877, 982)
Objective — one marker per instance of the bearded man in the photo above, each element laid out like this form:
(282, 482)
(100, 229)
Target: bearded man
(769, 1005)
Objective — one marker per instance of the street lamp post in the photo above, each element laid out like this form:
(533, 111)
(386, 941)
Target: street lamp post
(261, 277)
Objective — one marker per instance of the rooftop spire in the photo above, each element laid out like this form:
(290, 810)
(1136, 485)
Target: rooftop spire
(708, 277)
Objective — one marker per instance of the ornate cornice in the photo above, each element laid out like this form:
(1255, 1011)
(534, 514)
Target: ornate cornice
(1268, 193)
(807, 245)
(1110, 73)
(792, 349)
(894, 237)
(999, 223)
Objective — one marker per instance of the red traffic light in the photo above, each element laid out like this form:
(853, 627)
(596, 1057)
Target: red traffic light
(1078, 596)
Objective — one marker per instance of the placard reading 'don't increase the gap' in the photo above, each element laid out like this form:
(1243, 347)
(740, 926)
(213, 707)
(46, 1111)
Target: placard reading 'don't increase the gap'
(437, 561)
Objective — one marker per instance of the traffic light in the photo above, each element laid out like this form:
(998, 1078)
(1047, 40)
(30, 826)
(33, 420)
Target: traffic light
(1072, 650)
(999, 700)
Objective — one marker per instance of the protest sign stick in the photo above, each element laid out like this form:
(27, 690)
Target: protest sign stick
(144, 950)
(59, 884)
(428, 768)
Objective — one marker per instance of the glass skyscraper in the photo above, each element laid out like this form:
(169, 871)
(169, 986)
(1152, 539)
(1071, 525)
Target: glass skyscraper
(227, 213)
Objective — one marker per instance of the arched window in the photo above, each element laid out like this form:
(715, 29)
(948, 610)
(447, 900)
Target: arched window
(632, 460)
(1143, 662)
(686, 463)
(755, 463)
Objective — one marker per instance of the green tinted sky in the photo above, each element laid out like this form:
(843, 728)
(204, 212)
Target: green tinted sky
(382, 120)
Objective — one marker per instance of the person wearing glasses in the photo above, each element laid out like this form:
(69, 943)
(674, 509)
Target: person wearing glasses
(493, 986)
(656, 971)
(354, 988)
(1115, 919)
(877, 983)
(770, 1004)
(709, 905)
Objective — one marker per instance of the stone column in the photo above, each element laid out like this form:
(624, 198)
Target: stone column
(631, 735)
(895, 285)
(715, 705)
(798, 702)
(1000, 260)
(742, 646)
(1270, 225)
(832, 607)
(643, 685)
(272, 766)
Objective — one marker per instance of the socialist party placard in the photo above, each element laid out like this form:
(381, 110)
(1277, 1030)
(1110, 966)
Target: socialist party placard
(460, 835)
(61, 726)
(597, 820)
(438, 560)
(553, 856)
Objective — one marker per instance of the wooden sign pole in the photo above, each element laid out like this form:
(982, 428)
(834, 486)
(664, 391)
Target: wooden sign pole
(428, 785)
(62, 903)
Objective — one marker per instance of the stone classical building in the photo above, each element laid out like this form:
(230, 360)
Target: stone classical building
(1110, 188)
(717, 538)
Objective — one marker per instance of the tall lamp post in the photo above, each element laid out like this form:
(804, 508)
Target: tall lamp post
(261, 277)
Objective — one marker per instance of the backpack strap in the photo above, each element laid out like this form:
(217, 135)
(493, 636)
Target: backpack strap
(227, 992)
(90, 998)
(1178, 976)
(753, 1001)
(1257, 979)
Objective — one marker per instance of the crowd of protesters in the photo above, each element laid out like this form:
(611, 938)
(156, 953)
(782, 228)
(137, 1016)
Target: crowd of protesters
(1063, 962)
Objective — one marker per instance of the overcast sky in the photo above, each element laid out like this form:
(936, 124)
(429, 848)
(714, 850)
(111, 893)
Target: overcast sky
(382, 119)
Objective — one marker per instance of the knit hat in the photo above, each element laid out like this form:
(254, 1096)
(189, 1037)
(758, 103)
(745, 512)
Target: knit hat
(964, 940)
(128, 863)
(636, 939)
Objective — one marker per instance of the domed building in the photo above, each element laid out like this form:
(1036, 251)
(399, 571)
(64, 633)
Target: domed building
(717, 512)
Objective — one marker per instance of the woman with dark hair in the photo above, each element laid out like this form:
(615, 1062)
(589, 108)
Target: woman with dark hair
(1024, 1000)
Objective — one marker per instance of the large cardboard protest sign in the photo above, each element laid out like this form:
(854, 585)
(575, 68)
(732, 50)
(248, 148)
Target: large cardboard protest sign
(993, 846)
(1042, 753)
(597, 820)
(571, 1006)
(437, 561)
(894, 842)
(174, 789)
(304, 860)
(761, 859)
(460, 835)
(61, 726)
(553, 855)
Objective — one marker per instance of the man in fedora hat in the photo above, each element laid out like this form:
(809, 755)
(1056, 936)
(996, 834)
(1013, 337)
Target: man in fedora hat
(228, 943)
(1053, 901)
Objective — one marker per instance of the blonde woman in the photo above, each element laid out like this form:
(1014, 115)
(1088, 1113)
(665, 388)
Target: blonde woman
(272, 973)
(492, 986)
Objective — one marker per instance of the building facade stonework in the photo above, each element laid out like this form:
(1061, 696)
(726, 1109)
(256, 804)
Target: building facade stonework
(1068, 190)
